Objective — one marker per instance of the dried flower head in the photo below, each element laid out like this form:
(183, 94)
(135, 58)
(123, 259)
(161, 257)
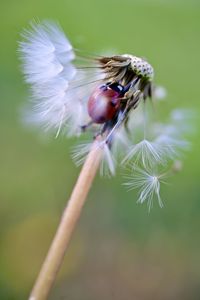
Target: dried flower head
(106, 95)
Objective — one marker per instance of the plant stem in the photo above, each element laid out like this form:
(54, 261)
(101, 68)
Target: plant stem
(67, 224)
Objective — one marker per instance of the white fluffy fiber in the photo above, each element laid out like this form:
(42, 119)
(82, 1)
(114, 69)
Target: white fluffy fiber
(46, 53)
(47, 57)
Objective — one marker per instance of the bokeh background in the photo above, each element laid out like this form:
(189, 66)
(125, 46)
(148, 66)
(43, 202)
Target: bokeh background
(119, 250)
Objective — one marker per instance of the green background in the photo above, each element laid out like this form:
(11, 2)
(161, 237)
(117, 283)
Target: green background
(119, 250)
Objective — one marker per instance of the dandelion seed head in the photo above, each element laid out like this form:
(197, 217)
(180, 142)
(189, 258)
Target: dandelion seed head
(140, 66)
(105, 95)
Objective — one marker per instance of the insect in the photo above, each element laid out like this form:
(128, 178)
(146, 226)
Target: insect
(71, 89)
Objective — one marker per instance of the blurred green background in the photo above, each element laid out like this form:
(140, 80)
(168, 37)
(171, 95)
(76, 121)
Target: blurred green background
(119, 250)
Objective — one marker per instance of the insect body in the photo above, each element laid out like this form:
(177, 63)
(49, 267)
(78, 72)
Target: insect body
(103, 104)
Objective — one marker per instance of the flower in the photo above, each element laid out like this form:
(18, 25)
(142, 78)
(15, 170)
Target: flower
(74, 93)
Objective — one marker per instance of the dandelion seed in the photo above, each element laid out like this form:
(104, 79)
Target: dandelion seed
(107, 167)
(182, 115)
(159, 93)
(170, 138)
(184, 119)
(177, 166)
(148, 183)
(149, 153)
(121, 142)
(135, 124)
(172, 146)
(80, 152)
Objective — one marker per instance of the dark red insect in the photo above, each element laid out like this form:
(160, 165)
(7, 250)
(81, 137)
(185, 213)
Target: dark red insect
(104, 103)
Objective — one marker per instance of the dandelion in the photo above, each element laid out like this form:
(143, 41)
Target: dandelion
(107, 96)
